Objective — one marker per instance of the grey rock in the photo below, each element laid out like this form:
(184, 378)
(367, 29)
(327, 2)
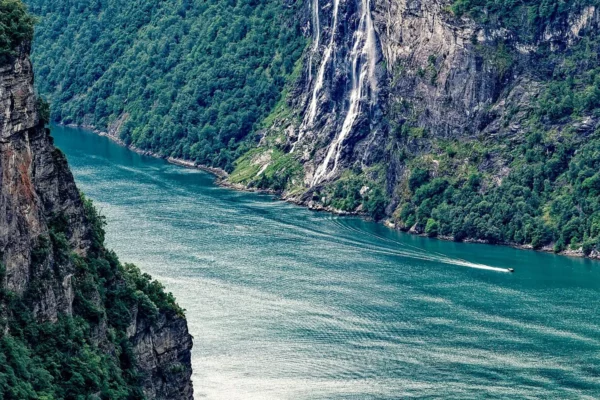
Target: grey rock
(35, 186)
(433, 72)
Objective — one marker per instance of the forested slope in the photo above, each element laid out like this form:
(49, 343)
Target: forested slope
(466, 119)
(182, 78)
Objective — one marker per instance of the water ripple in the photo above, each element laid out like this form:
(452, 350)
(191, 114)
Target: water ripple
(285, 303)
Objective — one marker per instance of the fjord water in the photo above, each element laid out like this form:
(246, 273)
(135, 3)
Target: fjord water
(285, 303)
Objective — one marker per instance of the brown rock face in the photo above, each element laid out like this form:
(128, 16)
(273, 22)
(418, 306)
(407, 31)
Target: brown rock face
(35, 187)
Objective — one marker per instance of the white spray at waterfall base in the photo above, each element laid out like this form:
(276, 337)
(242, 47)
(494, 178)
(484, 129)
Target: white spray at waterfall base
(363, 58)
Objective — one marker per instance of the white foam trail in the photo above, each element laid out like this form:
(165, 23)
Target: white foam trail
(420, 253)
(363, 68)
(473, 265)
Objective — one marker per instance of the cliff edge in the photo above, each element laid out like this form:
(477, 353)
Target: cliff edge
(75, 321)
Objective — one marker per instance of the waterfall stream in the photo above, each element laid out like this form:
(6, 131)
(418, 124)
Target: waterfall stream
(363, 69)
(312, 112)
(316, 36)
(310, 117)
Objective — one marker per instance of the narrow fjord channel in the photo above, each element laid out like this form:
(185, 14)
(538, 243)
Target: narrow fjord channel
(285, 303)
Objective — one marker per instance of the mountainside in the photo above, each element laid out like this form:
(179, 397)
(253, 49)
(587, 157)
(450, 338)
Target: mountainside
(75, 323)
(181, 78)
(469, 120)
(464, 119)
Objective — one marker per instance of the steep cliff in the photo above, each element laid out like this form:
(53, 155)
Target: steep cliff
(75, 322)
(461, 119)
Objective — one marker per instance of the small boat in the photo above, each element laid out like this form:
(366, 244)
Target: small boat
(510, 269)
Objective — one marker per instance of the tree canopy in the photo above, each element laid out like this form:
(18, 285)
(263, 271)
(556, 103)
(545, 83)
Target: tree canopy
(16, 26)
(183, 78)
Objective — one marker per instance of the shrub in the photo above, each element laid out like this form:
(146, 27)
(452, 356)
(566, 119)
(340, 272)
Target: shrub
(432, 227)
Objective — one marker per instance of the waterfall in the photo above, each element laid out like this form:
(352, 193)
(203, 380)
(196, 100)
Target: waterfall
(312, 112)
(316, 36)
(309, 118)
(363, 57)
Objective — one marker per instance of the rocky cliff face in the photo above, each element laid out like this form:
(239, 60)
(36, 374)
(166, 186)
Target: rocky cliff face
(162, 351)
(387, 78)
(418, 112)
(36, 184)
(37, 191)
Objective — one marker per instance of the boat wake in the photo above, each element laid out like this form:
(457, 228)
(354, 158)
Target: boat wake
(414, 252)
(468, 264)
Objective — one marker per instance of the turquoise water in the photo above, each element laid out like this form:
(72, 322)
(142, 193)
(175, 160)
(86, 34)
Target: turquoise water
(285, 303)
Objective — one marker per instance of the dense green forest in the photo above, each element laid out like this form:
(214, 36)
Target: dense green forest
(189, 78)
(47, 361)
(16, 26)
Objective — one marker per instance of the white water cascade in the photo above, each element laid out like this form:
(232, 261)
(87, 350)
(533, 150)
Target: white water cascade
(309, 118)
(316, 36)
(363, 71)
(312, 111)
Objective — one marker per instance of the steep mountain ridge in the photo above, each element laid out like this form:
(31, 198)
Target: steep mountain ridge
(456, 98)
(74, 320)
(462, 119)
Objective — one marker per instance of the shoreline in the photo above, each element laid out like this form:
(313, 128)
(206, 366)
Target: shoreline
(221, 180)
(218, 172)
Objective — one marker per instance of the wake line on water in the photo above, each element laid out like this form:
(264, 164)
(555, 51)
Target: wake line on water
(418, 253)
(474, 265)
(404, 250)
(446, 260)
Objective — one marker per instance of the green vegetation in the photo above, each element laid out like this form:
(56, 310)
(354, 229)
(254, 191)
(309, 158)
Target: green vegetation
(357, 192)
(573, 82)
(551, 195)
(183, 78)
(60, 360)
(263, 168)
(527, 17)
(16, 26)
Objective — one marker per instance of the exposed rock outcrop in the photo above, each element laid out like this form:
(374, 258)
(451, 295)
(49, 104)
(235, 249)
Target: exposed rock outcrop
(381, 68)
(37, 190)
(162, 351)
